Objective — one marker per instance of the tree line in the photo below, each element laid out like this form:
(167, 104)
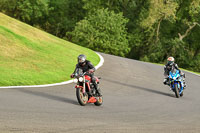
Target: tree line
(147, 30)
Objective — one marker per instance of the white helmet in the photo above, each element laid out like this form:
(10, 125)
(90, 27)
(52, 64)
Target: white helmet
(170, 60)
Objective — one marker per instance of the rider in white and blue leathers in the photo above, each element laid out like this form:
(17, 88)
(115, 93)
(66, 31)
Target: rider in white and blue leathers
(170, 66)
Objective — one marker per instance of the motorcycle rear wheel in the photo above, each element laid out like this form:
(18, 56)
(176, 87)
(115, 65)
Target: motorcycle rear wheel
(99, 101)
(182, 91)
(81, 98)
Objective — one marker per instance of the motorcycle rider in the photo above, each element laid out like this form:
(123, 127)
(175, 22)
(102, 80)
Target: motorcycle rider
(170, 66)
(87, 66)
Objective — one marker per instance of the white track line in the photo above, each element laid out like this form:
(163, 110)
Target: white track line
(62, 83)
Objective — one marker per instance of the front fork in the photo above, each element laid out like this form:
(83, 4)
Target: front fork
(83, 90)
(172, 85)
(83, 87)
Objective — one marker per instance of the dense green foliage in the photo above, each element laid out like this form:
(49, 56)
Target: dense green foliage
(63, 15)
(33, 12)
(103, 31)
(152, 29)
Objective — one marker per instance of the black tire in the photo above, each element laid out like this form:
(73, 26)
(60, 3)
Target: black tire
(99, 101)
(81, 99)
(181, 94)
(176, 90)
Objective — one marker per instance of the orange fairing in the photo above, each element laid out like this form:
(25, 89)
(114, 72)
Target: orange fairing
(87, 77)
(92, 100)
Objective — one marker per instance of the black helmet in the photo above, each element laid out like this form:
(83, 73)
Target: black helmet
(81, 59)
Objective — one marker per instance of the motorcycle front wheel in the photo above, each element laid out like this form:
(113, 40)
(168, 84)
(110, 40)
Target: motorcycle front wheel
(176, 90)
(82, 99)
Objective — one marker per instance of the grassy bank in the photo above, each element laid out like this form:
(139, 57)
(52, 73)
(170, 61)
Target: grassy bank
(29, 56)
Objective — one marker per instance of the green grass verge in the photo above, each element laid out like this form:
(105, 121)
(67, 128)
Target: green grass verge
(29, 56)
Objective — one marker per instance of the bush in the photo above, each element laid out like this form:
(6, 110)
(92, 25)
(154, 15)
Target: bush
(103, 31)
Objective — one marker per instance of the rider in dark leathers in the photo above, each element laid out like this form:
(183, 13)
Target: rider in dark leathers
(86, 66)
(170, 66)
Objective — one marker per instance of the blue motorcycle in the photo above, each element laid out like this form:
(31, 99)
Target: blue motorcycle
(176, 82)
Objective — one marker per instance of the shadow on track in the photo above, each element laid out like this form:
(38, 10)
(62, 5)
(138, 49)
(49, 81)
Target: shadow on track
(140, 88)
(48, 96)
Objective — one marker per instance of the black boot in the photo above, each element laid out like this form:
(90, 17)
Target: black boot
(166, 81)
(184, 85)
(97, 89)
(99, 92)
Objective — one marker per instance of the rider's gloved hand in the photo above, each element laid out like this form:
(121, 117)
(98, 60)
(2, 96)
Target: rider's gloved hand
(91, 71)
(181, 73)
(72, 75)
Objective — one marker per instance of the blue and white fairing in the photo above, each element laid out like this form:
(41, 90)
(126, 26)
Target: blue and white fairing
(176, 78)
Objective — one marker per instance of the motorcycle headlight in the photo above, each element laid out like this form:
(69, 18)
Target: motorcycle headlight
(75, 80)
(81, 79)
(174, 78)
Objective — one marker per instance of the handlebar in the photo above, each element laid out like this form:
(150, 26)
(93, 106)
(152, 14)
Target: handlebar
(81, 75)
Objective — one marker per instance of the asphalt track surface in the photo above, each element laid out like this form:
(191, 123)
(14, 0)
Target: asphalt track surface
(135, 101)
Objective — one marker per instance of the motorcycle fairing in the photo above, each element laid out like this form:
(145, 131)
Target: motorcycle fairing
(175, 77)
(92, 100)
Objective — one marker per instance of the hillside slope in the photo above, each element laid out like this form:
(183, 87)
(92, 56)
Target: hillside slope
(29, 56)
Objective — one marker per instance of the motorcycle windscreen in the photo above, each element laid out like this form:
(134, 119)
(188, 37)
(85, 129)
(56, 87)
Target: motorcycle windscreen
(78, 72)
